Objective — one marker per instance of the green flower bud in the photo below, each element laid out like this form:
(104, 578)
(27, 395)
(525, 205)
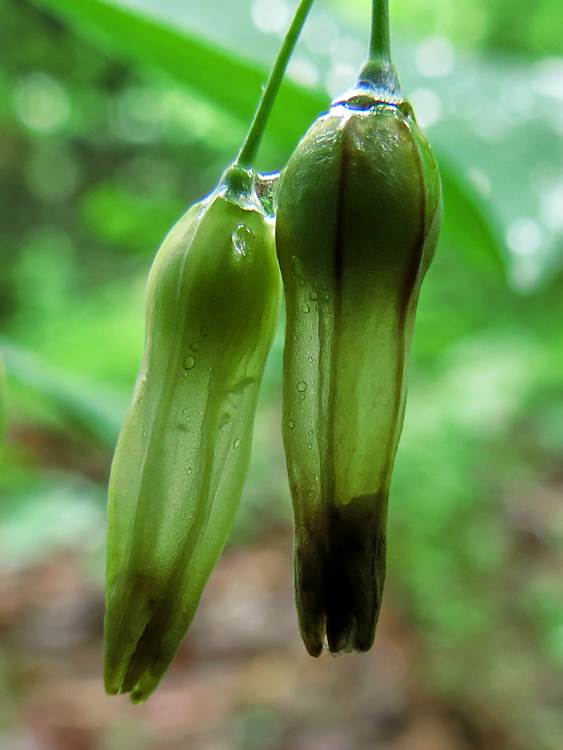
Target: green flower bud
(358, 218)
(183, 453)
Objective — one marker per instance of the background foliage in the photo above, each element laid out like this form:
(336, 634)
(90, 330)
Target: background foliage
(113, 119)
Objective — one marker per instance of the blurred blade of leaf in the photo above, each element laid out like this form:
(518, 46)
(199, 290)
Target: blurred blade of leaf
(216, 74)
(94, 411)
(468, 227)
(201, 66)
(3, 400)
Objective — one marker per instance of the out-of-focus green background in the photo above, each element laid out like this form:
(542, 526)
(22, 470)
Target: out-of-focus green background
(111, 124)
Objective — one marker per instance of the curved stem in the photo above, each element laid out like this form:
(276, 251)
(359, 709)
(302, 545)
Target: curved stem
(250, 147)
(380, 47)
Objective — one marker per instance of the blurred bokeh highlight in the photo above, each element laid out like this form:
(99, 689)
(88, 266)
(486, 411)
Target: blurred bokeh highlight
(104, 142)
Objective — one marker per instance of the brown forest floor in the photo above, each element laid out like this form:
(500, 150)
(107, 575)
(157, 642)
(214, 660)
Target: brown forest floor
(242, 678)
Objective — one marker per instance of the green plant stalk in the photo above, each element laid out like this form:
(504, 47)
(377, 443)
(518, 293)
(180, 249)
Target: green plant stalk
(379, 71)
(380, 47)
(250, 147)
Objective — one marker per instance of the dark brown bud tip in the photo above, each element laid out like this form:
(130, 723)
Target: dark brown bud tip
(340, 572)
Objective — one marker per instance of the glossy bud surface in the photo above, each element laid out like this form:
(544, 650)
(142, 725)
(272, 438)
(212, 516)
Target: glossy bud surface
(183, 453)
(358, 218)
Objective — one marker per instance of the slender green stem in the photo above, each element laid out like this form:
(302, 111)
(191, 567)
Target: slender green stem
(250, 147)
(380, 47)
(379, 73)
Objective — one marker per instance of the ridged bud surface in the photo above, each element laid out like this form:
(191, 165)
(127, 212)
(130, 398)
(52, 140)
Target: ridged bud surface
(358, 218)
(183, 453)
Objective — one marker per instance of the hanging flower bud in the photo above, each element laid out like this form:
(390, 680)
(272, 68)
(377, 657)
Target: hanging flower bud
(183, 453)
(358, 218)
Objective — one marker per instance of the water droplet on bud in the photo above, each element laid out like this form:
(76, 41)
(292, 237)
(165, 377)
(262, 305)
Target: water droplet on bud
(240, 238)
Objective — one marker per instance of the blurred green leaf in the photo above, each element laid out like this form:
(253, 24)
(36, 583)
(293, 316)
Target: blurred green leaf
(215, 74)
(3, 400)
(55, 514)
(129, 220)
(514, 26)
(467, 227)
(94, 411)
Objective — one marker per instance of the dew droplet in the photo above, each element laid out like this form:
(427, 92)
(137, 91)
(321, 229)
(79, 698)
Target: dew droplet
(194, 346)
(189, 471)
(185, 411)
(291, 424)
(310, 446)
(302, 386)
(189, 363)
(240, 238)
(313, 296)
(236, 444)
(310, 493)
(204, 331)
(326, 297)
(309, 359)
(302, 396)
(305, 309)
(311, 432)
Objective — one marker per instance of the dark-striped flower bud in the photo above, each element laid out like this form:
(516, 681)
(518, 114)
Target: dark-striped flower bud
(358, 217)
